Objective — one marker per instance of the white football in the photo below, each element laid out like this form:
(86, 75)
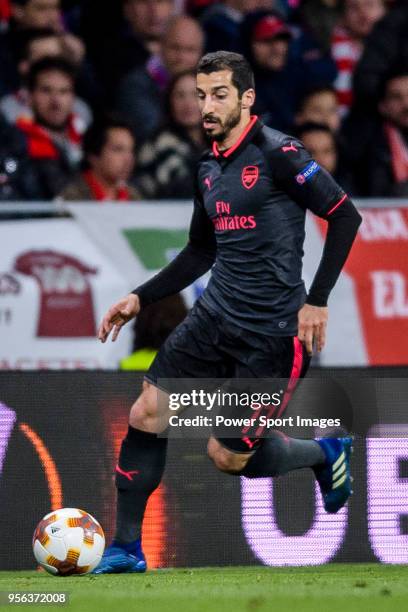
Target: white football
(68, 541)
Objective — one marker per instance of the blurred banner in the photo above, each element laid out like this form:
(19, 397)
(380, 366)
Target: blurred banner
(57, 278)
(55, 285)
(60, 434)
(140, 239)
(378, 267)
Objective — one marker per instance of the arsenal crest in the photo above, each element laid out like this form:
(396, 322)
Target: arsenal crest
(250, 175)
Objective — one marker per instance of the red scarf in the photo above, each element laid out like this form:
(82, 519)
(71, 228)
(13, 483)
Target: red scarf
(399, 153)
(99, 193)
(39, 142)
(346, 52)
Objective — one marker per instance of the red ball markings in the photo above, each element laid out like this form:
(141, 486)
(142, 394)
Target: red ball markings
(89, 526)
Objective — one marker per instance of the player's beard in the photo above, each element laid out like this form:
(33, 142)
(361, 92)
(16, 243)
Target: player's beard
(229, 123)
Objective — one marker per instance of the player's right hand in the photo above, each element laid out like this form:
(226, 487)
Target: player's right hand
(116, 317)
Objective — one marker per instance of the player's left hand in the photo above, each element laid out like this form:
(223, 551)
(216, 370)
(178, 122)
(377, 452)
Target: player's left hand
(312, 323)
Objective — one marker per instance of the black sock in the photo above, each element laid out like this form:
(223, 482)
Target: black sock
(281, 454)
(140, 468)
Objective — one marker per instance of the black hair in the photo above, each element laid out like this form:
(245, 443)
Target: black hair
(48, 64)
(242, 74)
(314, 91)
(96, 135)
(312, 126)
(396, 71)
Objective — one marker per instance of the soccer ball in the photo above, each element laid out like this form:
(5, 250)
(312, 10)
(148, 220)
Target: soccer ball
(68, 541)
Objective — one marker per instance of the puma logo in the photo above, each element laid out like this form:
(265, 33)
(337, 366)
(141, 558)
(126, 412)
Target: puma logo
(250, 443)
(128, 475)
(207, 181)
(291, 148)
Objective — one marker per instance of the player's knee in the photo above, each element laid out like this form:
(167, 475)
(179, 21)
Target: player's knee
(226, 465)
(144, 412)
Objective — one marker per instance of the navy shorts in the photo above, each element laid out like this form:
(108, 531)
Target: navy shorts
(206, 345)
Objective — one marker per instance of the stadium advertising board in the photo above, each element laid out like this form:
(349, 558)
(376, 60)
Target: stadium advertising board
(55, 285)
(68, 271)
(60, 434)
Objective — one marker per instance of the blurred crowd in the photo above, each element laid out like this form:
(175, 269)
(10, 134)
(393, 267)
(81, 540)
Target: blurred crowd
(98, 102)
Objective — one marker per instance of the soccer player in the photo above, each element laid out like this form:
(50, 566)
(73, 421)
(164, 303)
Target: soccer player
(254, 320)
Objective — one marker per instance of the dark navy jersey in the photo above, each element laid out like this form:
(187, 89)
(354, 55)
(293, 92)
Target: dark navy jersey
(253, 199)
(249, 221)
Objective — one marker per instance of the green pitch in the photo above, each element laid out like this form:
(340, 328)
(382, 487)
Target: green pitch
(330, 588)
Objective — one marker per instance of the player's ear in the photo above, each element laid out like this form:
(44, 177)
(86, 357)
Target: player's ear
(248, 99)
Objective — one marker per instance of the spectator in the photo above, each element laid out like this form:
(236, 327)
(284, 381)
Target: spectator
(359, 18)
(153, 325)
(32, 14)
(276, 90)
(394, 111)
(148, 20)
(166, 165)
(321, 67)
(320, 105)
(322, 144)
(145, 22)
(222, 23)
(386, 46)
(382, 168)
(318, 18)
(109, 160)
(54, 137)
(320, 141)
(182, 47)
(38, 44)
(281, 76)
(36, 13)
(18, 180)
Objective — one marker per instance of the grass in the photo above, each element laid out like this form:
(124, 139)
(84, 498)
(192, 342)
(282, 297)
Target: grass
(329, 588)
